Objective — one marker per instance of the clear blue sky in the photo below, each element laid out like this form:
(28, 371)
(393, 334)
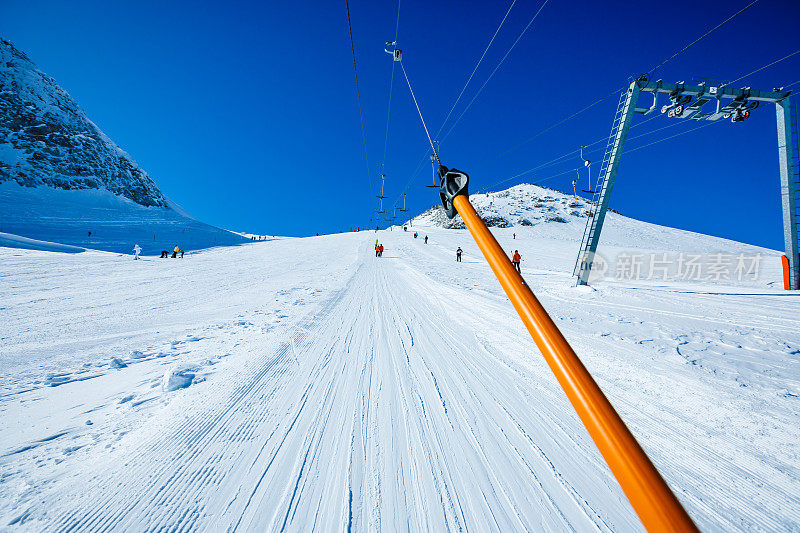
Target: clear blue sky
(245, 112)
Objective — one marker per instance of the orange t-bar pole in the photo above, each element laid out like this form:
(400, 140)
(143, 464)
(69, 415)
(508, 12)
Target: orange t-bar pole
(651, 498)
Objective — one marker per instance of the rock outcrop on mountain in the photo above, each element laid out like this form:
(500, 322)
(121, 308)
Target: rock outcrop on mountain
(47, 140)
(522, 205)
(63, 181)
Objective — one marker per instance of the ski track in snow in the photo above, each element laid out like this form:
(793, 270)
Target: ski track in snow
(353, 393)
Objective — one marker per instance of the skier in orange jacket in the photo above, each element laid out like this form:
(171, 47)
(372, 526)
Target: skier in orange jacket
(516, 259)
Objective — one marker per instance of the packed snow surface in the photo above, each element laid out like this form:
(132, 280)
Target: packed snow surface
(9, 240)
(304, 384)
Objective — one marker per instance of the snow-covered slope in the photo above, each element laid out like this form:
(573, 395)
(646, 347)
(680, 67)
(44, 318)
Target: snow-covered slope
(303, 384)
(543, 213)
(61, 177)
(115, 222)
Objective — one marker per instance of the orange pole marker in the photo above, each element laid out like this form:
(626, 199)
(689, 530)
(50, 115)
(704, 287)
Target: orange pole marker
(786, 281)
(648, 493)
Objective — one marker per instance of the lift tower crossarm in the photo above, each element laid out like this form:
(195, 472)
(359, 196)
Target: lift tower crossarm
(710, 90)
(687, 101)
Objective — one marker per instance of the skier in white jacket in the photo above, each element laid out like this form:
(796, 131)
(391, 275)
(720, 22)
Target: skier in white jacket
(136, 251)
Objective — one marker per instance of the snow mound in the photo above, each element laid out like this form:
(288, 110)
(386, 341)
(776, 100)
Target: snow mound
(116, 362)
(178, 377)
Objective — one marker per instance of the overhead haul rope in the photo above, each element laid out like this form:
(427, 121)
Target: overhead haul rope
(358, 94)
(706, 34)
(767, 66)
(391, 86)
(599, 100)
(452, 107)
(552, 126)
(617, 91)
(571, 152)
(626, 151)
(495, 69)
(435, 151)
(478, 64)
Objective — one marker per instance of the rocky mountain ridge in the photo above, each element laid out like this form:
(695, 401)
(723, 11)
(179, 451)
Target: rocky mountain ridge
(46, 139)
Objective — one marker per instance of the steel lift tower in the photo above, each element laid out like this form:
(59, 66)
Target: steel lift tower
(689, 101)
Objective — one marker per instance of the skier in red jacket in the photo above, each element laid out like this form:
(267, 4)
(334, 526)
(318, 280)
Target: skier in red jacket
(516, 259)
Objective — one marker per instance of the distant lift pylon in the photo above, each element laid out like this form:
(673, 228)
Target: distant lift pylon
(381, 197)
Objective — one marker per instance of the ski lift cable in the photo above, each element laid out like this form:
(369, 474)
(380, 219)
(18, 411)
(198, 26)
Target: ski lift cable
(422, 159)
(474, 70)
(391, 86)
(452, 107)
(571, 153)
(616, 91)
(626, 151)
(706, 34)
(495, 69)
(435, 151)
(766, 66)
(706, 125)
(358, 96)
(603, 139)
(599, 100)
(552, 126)
(548, 163)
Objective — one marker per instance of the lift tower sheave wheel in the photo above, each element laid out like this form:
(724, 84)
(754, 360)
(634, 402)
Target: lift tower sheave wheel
(687, 101)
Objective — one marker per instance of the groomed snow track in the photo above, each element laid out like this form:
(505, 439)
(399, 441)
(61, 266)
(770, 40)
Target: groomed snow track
(374, 414)
(410, 397)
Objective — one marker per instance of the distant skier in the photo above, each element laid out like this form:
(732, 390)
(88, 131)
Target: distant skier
(415, 234)
(175, 251)
(458, 254)
(514, 235)
(377, 250)
(136, 251)
(181, 254)
(164, 253)
(380, 250)
(426, 239)
(516, 259)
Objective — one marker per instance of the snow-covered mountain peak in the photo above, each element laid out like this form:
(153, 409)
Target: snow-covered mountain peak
(521, 205)
(47, 140)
